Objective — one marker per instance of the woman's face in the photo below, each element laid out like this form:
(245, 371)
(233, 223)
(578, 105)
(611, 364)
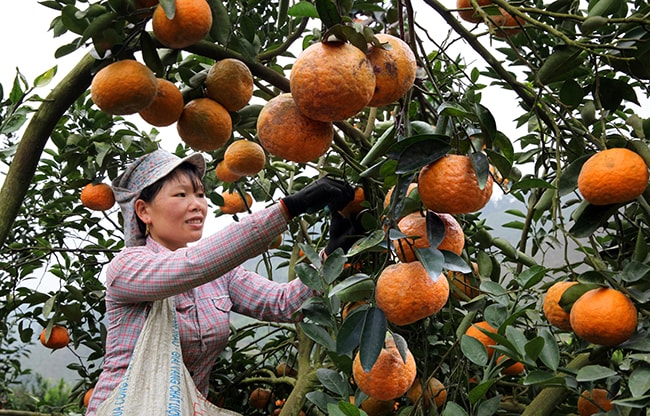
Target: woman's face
(176, 214)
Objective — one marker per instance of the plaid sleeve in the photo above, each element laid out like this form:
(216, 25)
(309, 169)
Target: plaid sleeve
(139, 274)
(258, 297)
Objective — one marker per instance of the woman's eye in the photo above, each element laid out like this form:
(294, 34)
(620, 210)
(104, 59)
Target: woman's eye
(180, 194)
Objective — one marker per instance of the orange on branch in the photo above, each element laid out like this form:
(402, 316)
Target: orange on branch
(58, 338)
(390, 376)
(406, 293)
(233, 202)
(603, 316)
(414, 226)
(204, 124)
(436, 393)
(466, 283)
(191, 23)
(287, 133)
(224, 174)
(613, 176)
(355, 206)
(260, 398)
(594, 401)
(394, 66)
(332, 81)
(505, 24)
(450, 185)
(474, 331)
(99, 197)
(87, 396)
(389, 193)
(513, 369)
(553, 312)
(123, 87)
(230, 83)
(467, 11)
(167, 106)
(244, 157)
(374, 407)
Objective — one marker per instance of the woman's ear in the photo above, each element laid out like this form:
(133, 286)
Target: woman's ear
(142, 211)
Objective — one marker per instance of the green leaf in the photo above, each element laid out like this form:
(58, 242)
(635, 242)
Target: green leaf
(454, 262)
(435, 228)
(321, 399)
(534, 348)
(594, 372)
(486, 121)
(635, 271)
(452, 409)
(560, 65)
(589, 218)
(98, 25)
(309, 276)
(538, 377)
(318, 334)
(150, 55)
(303, 9)
(333, 381)
(317, 310)
(356, 287)
(639, 381)
(432, 259)
(530, 277)
(418, 151)
(349, 334)
(169, 6)
(531, 183)
(612, 92)
(550, 354)
(333, 265)
(328, 13)
(571, 93)
(368, 242)
(45, 78)
(489, 407)
(373, 336)
(474, 350)
(480, 390)
(481, 167)
(71, 22)
(221, 27)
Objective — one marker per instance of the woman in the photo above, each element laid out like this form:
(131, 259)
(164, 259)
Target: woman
(164, 209)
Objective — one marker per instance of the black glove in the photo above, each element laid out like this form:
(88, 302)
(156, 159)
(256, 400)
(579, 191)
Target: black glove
(315, 196)
(344, 232)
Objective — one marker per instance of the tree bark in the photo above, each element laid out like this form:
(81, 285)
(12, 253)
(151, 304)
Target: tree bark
(37, 133)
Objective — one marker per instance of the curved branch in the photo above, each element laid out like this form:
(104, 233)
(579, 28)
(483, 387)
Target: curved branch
(37, 132)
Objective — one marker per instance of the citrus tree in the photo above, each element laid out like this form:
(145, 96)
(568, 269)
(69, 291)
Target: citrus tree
(431, 310)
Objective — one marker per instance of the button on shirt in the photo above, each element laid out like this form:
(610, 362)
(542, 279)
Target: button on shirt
(207, 282)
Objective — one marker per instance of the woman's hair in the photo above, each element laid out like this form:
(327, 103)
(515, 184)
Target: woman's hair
(150, 192)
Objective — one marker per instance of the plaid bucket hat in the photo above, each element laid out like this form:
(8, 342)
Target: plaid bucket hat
(138, 175)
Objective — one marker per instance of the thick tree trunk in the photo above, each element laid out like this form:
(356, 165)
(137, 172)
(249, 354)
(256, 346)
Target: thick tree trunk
(37, 133)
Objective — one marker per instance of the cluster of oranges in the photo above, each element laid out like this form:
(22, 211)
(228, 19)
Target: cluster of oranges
(502, 24)
(601, 316)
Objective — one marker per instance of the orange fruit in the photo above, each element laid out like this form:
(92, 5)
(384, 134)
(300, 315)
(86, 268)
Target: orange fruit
(224, 174)
(123, 87)
(260, 398)
(277, 241)
(355, 206)
(467, 12)
(230, 83)
(450, 185)
(505, 24)
(166, 107)
(204, 124)
(389, 194)
(466, 283)
(190, 24)
(475, 332)
(406, 293)
(58, 338)
(244, 157)
(287, 133)
(512, 370)
(233, 202)
(603, 316)
(390, 377)
(436, 393)
(97, 197)
(374, 407)
(594, 401)
(414, 225)
(350, 306)
(332, 81)
(87, 396)
(283, 369)
(554, 313)
(613, 176)
(394, 68)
